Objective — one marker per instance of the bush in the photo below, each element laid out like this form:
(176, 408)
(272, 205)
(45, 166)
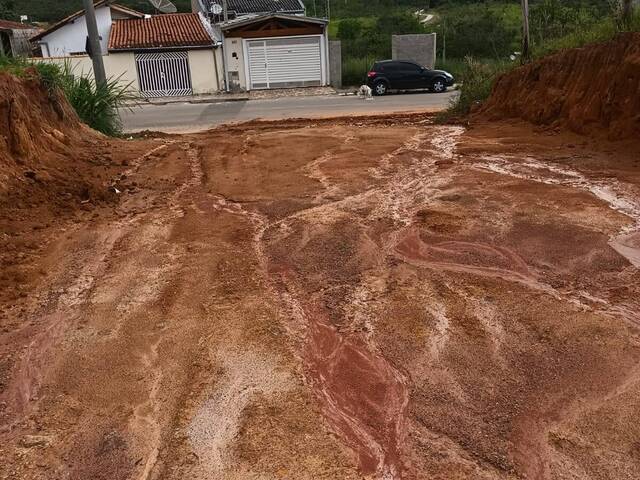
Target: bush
(96, 105)
(479, 78)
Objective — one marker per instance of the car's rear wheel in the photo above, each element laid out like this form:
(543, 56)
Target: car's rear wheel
(438, 85)
(380, 88)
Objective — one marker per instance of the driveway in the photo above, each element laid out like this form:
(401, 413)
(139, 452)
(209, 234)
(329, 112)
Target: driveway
(184, 117)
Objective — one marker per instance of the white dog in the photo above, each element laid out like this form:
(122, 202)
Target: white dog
(365, 92)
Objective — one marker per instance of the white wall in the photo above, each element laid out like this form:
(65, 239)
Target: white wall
(235, 63)
(203, 65)
(116, 65)
(72, 37)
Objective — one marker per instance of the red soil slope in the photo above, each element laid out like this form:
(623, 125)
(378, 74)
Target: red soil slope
(52, 168)
(593, 89)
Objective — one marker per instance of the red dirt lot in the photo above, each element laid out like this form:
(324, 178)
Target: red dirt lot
(378, 298)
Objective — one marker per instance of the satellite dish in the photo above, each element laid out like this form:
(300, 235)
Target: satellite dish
(164, 6)
(216, 9)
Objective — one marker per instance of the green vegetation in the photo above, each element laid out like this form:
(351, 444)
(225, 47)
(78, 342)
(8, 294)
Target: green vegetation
(479, 76)
(96, 105)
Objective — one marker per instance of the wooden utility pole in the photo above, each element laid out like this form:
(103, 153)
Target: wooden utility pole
(94, 43)
(526, 36)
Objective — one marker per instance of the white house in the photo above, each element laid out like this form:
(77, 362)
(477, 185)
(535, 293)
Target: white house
(269, 43)
(263, 44)
(275, 50)
(69, 36)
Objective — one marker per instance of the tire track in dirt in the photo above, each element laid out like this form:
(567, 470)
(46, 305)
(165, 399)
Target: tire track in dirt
(363, 397)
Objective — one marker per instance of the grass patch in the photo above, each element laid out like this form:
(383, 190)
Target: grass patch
(96, 105)
(479, 77)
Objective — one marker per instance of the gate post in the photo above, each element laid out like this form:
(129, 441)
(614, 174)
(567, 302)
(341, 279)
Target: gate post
(335, 63)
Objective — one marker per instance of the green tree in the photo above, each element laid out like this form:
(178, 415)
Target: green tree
(349, 29)
(7, 10)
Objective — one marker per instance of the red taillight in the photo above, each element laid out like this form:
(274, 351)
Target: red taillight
(372, 74)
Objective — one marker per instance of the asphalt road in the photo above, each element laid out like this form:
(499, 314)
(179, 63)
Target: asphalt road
(183, 117)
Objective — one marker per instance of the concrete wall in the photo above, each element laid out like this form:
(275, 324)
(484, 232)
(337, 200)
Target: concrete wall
(205, 71)
(72, 37)
(419, 48)
(122, 65)
(116, 65)
(234, 55)
(335, 63)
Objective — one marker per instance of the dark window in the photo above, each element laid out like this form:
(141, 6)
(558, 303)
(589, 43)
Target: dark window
(392, 67)
(410, 67)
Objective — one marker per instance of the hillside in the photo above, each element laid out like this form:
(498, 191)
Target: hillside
(592, 90)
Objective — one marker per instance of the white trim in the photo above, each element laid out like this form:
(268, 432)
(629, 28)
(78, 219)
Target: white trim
(245, 58)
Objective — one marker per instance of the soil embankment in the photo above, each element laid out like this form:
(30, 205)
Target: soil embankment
(590, 90)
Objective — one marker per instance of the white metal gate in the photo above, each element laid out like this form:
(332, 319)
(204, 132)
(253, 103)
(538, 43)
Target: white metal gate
(164, 74)
(285, 62)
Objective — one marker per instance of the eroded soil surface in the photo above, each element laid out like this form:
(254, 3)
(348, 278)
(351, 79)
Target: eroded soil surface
(339, 299)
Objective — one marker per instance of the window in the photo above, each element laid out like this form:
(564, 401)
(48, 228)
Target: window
(410, 67)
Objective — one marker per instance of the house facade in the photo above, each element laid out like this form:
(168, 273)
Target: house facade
(269, 43)
(68, 37)
(173, 54)
(275, 51)
(262, 44)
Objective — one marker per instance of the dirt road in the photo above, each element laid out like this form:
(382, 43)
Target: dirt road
(335, 299)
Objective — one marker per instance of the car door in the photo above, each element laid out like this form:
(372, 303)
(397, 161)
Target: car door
(392, 73)
(411, 75)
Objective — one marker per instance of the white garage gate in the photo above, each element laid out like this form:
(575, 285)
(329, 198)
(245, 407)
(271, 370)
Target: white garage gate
(285, 62)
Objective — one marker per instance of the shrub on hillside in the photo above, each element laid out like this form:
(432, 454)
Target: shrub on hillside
(96, 105)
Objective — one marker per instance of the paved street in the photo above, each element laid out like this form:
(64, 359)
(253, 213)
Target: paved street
(181, 117)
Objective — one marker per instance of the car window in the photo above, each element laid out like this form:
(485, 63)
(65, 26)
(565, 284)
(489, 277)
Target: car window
(410, 67)
(392, 67)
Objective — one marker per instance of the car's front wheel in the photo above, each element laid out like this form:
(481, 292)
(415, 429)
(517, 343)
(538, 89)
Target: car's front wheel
(438, 86)
(380, 88)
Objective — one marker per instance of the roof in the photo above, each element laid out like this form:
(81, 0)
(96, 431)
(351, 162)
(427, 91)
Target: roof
(249, 19)
(80, 13)
(161, 31)
(244, 7)
(9, 25)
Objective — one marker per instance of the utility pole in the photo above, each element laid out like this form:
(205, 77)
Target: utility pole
(94, 43)
(444, 40)
(526, 37)
(225, 11)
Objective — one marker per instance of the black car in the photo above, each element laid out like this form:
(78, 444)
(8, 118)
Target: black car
(404, 75)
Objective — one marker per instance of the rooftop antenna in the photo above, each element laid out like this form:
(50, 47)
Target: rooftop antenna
(164, 6)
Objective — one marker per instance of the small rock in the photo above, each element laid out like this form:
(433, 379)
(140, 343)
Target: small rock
(30, 441)
(58, 135)
(450, 198)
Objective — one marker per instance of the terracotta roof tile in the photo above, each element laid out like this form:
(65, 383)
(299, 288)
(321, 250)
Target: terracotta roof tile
(160, 31)
(9, 25)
